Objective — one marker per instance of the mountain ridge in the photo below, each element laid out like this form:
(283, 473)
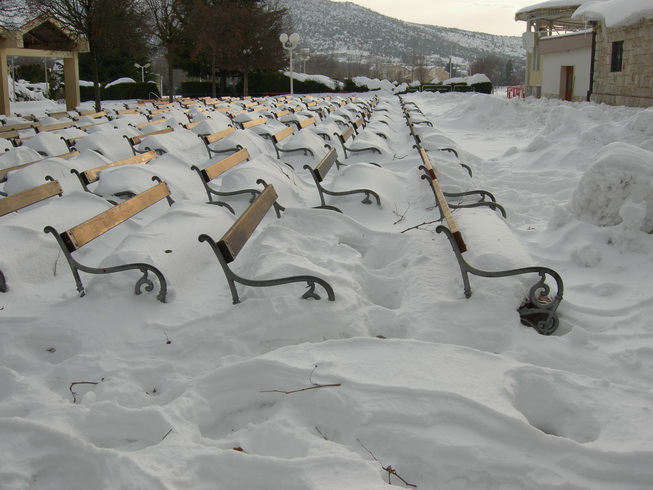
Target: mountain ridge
(344, 29)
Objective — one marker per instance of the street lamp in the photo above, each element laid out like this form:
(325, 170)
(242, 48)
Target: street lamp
(146, 65)
(289, 43)
(303, 56)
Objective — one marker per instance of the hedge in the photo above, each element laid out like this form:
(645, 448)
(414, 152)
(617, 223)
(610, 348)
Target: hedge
(121, 91)
(266, 83)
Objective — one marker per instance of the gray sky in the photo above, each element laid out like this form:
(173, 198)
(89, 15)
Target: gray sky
(493, 16)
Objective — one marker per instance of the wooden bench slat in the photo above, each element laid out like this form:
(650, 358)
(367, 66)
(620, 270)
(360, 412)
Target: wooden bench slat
(225, 164)
(235, 238)
(281, 135)
(137, 139)
(212, 138)
(93, 174)
(442, 202)
(323, 167)
(28, 197)
(80, 235)
(58, 126)
(19, 126)
(5, 171)
(254, 122)
(307, 122)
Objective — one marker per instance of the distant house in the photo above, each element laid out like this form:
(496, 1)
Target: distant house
(589, 50)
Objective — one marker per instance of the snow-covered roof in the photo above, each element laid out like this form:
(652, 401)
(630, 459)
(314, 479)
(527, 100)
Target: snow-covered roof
(613, 13)
(551, 4)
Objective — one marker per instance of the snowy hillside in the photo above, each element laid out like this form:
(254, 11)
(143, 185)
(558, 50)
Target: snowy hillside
(345, 28)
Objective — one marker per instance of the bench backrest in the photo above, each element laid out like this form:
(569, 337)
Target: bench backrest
(156, 121)
(212, 138)
(78, 236)
(346, 134)
(29, 196)
(57, 126)
(442, 201)
(210, 173)
(135, 140)
(283, 134)
(10, 134)
(233, 241)
(19, 126)
(322, 168)
(5, 171)
(254, 122)
(92, 175)
(306, 122)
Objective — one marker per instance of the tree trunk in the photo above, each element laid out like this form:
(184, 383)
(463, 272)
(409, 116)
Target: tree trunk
(171, 82)
(96, 82)
(213, 81)
(245, 83)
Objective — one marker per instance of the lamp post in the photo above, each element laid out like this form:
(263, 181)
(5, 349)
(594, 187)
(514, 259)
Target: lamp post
(289, 43)
(146, 65)
(303, 57)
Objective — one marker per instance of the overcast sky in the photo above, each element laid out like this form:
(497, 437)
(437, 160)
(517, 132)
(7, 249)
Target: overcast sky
(493, 16)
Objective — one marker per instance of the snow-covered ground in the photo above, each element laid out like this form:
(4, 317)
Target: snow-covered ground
(401, 377)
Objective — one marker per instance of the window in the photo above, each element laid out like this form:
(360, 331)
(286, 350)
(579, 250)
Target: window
(617, 55)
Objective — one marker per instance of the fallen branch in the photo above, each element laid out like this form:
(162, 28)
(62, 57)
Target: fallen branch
(421, 224)
(313, 386)
(81, 383)
(389, 468)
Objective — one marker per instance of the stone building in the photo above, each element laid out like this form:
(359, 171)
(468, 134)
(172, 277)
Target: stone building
(587, 50)
(623, 64)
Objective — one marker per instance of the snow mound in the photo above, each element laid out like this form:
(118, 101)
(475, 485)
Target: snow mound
(621, 174)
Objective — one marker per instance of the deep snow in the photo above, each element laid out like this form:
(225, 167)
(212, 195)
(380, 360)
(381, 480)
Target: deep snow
(448, 392)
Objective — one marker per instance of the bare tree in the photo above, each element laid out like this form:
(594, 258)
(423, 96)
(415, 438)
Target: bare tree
(168, 17)
(110, 26)
(13, 13)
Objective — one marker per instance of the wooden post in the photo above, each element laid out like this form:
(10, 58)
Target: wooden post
(5, 107)
(71, 81)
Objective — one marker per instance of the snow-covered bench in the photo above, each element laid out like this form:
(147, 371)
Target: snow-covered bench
(232, 242)
(218, 168)
(92, 175)
(539, 309)
(320, 172)
(22, 200)
(76, 237)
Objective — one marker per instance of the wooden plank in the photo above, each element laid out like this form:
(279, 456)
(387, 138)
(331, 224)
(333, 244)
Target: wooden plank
(192, 125)
(283, 134)
(19, 126)
(137, 139)
(212, 138)
(55, 127)
(442, 202)
(78, 236)
(92, 114)
(307, 122)
(93, 174)
(8, 135)
(322, 168)
(281, 113)
(28, 197)
(345, 135)
(235, 238)
(156, 121)
(5, 171)
(225, 164)
(254, 122)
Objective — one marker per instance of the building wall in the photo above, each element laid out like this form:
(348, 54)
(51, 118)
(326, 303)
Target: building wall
(633, 86)
(551, 80)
